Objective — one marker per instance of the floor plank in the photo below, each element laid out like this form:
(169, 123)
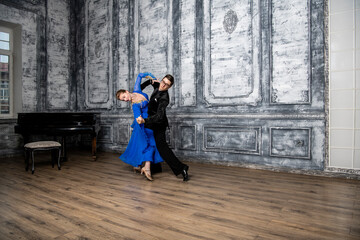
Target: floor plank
(104, 199)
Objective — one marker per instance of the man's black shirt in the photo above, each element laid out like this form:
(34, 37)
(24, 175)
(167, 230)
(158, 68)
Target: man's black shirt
(158, 102)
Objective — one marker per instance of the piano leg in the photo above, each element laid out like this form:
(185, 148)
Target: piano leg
(33, 163)
(94, 148)
(58, 159)
(63, 149)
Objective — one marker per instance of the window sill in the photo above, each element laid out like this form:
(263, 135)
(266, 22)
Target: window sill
(8, 120)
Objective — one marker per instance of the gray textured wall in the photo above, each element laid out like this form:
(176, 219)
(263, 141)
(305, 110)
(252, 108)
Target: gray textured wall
(46, 46)
(249, 74)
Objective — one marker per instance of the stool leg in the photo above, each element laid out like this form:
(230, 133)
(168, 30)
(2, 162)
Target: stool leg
(32, 158)
(52, 157)
(26, 160)
(59, 167)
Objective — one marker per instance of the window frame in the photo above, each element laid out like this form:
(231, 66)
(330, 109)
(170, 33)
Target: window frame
(9, 53)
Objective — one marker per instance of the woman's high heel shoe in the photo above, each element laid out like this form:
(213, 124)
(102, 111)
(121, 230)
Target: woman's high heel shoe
(147, 173)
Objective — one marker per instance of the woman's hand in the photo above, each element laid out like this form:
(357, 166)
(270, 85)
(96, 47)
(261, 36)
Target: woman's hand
(140, 120)
(147, 75)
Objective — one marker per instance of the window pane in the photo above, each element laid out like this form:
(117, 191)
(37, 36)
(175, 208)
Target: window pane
(4, 85)
(4, 45)
(4, 36)
(4, 59)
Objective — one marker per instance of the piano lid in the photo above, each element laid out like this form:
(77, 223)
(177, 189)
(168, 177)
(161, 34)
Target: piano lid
(58, 118)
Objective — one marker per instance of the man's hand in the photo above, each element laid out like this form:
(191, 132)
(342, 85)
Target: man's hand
(153, 81)
(140, 120)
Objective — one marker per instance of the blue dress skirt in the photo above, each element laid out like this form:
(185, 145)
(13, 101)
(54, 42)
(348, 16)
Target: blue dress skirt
(142, 146)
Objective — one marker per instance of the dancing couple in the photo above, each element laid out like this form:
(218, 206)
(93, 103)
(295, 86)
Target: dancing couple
(148, 141)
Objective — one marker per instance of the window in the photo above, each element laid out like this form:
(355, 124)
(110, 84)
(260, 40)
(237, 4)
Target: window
(6, 79)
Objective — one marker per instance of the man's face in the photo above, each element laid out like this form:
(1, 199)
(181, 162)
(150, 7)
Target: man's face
(124, 96)
(165, 84)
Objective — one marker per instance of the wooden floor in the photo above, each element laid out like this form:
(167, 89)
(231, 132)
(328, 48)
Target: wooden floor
(104, 199)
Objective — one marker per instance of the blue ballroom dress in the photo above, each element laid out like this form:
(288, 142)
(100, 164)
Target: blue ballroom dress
(142, 146)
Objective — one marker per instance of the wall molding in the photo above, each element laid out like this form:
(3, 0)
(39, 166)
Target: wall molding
(243, 83)
(185, 136)
(106, 138)
(215, 139)
(98, 73)
(318, 116)
(153, 41)
(251, 116)
(294, 143)
(294, 68)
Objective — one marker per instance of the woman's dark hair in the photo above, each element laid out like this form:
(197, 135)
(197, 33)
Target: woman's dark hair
(170, 78)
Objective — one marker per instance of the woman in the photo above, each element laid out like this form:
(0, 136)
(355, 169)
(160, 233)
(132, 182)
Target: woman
(141, 149)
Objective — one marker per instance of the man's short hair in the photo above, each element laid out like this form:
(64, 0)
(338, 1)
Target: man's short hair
(170, 78)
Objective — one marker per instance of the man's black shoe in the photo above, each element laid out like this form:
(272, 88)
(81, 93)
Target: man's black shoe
(185, 174)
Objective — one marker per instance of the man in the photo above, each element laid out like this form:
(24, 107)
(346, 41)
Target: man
(158, 122)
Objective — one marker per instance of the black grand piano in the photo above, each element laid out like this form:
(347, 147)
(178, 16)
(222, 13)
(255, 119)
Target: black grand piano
(59, 124)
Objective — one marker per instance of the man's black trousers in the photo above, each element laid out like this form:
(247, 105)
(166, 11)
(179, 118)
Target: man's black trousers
(166, 153)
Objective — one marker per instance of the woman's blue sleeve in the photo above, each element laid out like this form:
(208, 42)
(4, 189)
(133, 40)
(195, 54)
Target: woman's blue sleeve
(136, 107)
(137, 86)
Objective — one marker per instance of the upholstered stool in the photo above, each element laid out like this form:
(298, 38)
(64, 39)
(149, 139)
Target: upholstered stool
(30, 148)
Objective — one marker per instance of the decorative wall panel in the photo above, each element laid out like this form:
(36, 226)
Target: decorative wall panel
(290, 143)
(124, 76)
(153, 39)
(187, 53)
(188, 137)
(232, 45)
(9, 140)
(170, 137)
(98, 54)
(124, 133)
(106, 134)
(57, 94)
(244, 140)
(290, 52)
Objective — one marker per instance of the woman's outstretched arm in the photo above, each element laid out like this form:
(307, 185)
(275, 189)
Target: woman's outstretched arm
(137, 86)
